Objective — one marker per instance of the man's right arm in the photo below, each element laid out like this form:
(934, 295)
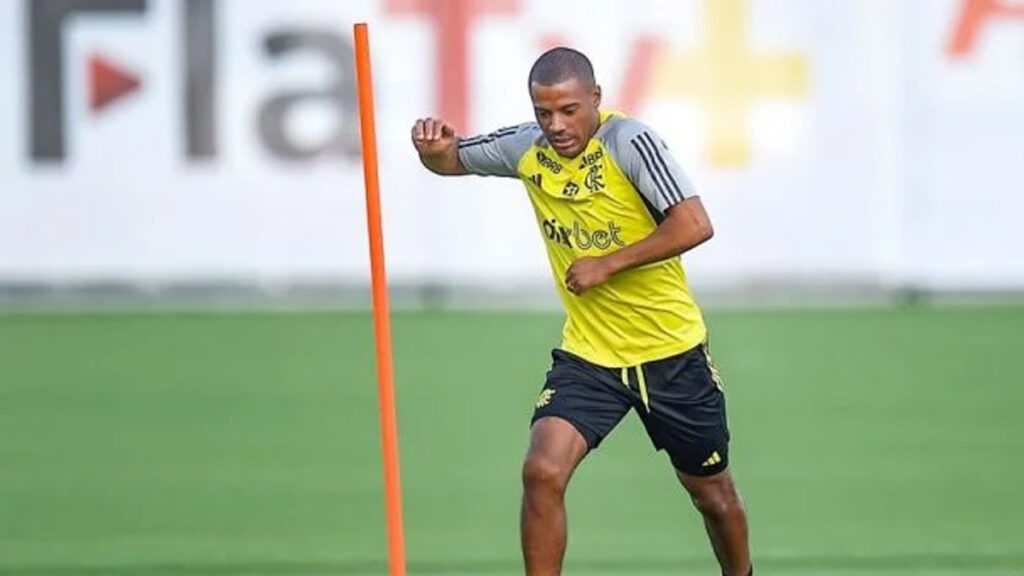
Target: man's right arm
(494, 154)
(438, 147)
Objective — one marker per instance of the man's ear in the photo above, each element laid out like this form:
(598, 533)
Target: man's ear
(597, 95)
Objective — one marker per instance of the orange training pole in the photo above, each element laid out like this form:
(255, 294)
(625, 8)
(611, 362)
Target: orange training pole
(382, 325)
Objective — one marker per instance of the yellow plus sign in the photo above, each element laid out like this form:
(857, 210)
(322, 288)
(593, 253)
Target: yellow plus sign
(726, 77)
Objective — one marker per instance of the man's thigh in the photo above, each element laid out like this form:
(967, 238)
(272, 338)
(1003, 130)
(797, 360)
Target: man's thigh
(587, 396)
(686, 415)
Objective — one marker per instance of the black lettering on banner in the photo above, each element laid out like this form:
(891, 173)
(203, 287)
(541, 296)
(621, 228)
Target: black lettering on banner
(45, 71)
(339, 94)
(200, 80)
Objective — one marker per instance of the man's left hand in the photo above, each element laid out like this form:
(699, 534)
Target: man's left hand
(586, 273)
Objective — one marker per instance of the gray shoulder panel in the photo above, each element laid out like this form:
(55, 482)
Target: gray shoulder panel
(498, 153)
(646, 161)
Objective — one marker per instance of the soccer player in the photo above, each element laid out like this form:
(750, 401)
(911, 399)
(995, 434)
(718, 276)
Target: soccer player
(615, 212)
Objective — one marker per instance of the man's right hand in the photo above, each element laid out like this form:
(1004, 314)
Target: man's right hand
(437, 145)
(433, 137)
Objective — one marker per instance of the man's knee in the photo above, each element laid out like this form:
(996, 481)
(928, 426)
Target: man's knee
(542, 473)
(556, 447)
(717, 499)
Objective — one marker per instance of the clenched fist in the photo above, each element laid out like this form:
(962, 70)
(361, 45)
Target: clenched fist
(586, 273)
(433, 137)
(437, 145)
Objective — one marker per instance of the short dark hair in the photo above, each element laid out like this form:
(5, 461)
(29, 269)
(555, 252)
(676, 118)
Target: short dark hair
(560, 64)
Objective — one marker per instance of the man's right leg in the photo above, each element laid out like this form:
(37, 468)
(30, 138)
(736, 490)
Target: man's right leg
(579, 405)
(556, 448)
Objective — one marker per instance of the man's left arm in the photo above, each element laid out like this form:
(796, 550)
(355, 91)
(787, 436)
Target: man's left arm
(686, 225)
(655, 174)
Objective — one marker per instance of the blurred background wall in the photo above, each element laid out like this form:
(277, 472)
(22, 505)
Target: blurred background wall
(155, 145)
(206, 152)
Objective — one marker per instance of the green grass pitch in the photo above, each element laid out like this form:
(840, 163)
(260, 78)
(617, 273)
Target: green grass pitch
(866, 442)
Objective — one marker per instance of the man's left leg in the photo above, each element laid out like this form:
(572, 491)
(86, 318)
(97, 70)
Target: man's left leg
(725, 519)
(685, 415)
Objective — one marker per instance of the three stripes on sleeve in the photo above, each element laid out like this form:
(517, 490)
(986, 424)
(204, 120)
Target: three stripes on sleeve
(657, 168)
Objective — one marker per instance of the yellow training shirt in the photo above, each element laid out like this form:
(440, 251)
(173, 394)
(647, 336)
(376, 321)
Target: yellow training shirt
(613, 194)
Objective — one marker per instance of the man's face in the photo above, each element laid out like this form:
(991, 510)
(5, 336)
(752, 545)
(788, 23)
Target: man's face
(568, 114)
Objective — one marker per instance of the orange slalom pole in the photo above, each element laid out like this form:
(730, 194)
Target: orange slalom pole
(381, 316)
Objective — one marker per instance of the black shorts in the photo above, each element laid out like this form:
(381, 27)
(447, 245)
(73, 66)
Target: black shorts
(679, 400)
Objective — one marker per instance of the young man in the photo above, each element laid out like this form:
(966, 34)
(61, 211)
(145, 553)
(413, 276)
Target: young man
(615, 212)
